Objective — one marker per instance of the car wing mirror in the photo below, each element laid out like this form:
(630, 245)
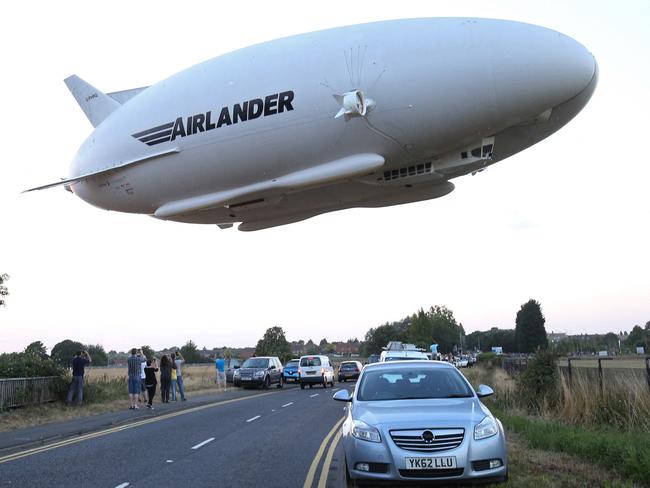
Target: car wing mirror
(484, 391)
(343, 396)
(236, 366)
(271, 367)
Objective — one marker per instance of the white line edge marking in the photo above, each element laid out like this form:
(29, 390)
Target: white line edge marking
(123, 485)
(312, 396)
(287, 404)
(201, 444)
(254, 418)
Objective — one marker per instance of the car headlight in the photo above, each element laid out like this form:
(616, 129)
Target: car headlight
(363, 431)
(235, 373)
(259, 373)
(486, 428)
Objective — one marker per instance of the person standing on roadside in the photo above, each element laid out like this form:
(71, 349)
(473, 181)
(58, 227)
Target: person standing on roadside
(179, 375)
(220, 366)
(134, 368)
(150, 381)
(174, 381)
(165, 378)
(143, 388)
(79, 362)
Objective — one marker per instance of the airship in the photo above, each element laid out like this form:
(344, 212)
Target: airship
(369, 115)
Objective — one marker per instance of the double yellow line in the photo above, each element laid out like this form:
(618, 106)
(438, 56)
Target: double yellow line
(336, 432)
(113, 430)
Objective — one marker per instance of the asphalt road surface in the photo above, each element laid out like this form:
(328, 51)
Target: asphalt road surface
(273, 438)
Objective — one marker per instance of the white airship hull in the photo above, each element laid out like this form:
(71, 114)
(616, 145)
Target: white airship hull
(361, 116)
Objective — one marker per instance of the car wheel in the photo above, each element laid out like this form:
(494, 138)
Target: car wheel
(280, 383)
(302, 386)
(267, 383)
(310, 386)
(324, 382)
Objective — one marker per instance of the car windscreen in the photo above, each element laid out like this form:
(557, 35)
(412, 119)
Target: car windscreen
(291, 364)
(309, 361)
(256, 363)
(412, 382)
(349, 366)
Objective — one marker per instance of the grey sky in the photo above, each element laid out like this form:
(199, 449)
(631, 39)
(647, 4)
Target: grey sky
(565, 222)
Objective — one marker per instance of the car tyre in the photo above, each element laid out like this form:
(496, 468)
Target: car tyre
(302, 386)
(311, 386)
(267, 383)
(280, 383)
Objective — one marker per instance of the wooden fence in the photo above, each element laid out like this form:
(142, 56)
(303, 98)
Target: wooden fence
(17, 392)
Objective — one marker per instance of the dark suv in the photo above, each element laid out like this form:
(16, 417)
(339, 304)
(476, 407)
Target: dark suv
(349, 370)
(261, 372)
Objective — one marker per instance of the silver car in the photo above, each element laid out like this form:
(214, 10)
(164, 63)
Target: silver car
(420, 420)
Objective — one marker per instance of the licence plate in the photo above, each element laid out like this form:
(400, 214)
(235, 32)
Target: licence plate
(311, 372)
(448, 462)
(245, 379)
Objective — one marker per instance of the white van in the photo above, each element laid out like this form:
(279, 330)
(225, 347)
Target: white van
(398, 351)
(315, 370)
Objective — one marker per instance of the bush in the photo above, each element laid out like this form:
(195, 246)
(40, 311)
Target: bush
(538, 384)
(488, 359)
(26, 365)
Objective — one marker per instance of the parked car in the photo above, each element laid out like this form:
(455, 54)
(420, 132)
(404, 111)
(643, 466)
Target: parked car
(398, 351)
(262, 371)
(373, 358)
(420, 421)
(315, 370)
(290, 371)
(231, 366)
(349, 370)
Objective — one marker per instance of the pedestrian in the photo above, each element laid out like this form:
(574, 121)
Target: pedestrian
(134, 369)
(220, 366)
(150, 381)
(79, 362)
(179, 375)
(143, 388)
(165, 377)
(174, 380)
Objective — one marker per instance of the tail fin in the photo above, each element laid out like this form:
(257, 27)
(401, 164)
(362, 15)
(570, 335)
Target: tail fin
(95, 104)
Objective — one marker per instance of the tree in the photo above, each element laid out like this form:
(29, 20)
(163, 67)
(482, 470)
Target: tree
(274, 343)
(310, 347)
(97, 354)
(37, 349)
(190, 353)
(437, 325)
(148, 352)
(380, 336)
(530, 333)
(64, 351)
(4, 291)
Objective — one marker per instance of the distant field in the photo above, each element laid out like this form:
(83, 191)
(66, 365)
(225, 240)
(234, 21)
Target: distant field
(195, 376)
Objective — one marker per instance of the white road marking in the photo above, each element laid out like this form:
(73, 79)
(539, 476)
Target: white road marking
(123, 485)
(287, 404)
(254, 418)
(170, 461)
(336, 389)
(201, 444)
(312, 396)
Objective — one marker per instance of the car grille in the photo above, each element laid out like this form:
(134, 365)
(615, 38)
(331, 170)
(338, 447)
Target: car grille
(430, 473)
(437, 440)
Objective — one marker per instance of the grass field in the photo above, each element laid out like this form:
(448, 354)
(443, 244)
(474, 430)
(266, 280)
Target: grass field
(608, 364)
(195, 376)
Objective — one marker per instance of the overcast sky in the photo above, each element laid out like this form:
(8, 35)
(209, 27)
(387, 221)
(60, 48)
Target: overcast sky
(565, 222)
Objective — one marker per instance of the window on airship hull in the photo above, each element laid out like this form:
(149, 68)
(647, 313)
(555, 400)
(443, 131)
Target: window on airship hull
(407, 171)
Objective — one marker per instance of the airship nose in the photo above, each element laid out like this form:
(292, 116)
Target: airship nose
(535, 69)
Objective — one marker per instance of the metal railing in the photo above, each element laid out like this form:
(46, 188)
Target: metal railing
(16, 392)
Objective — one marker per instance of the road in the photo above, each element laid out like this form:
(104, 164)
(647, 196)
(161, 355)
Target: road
(274, 438)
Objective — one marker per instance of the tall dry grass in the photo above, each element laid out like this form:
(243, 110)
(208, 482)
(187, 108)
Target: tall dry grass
(624, 403)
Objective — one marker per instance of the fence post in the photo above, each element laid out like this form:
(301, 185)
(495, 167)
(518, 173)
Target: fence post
(600, 374)
(570, 373)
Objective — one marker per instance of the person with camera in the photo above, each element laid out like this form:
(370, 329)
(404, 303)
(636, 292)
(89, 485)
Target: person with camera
(79, 363)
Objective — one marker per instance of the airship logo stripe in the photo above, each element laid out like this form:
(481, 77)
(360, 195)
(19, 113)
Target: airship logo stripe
(158, 141)
(155, 129)
(157, 135)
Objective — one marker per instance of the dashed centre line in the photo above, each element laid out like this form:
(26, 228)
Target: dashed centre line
(123, 485)
(201, 444)
(312, 396)
(287, 404)
(254, 418)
